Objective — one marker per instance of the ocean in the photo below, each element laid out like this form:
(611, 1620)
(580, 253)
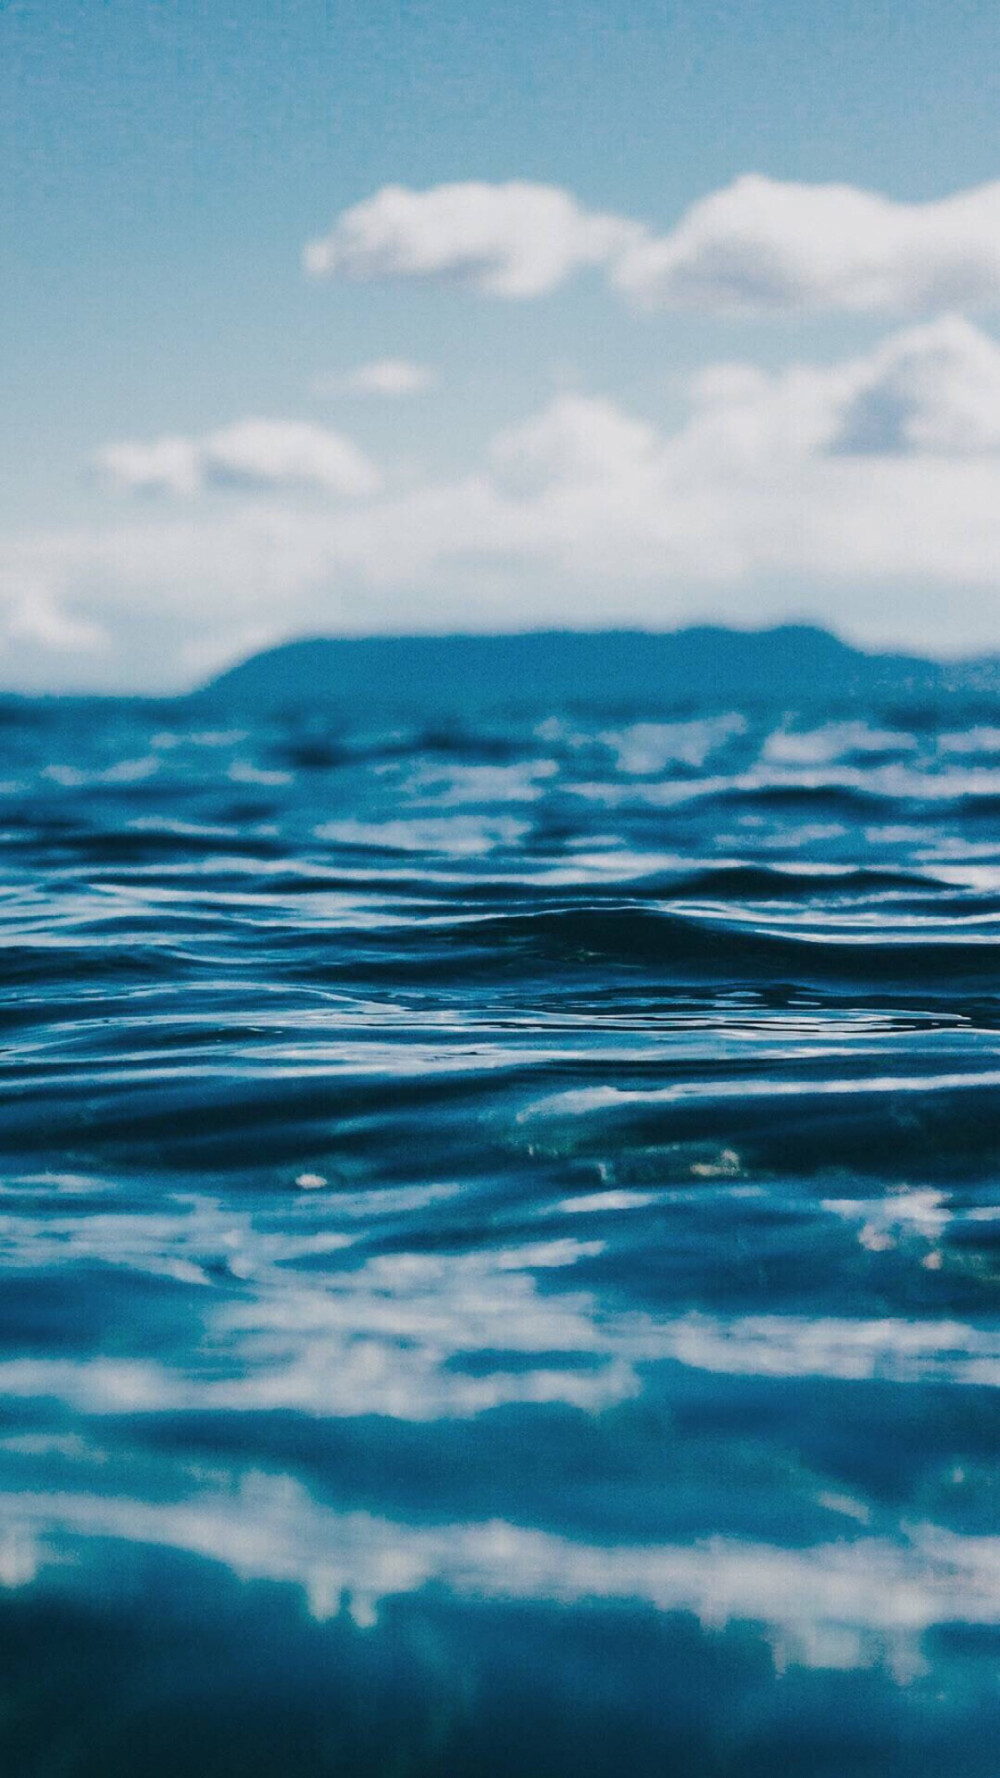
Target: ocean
(500, 1242)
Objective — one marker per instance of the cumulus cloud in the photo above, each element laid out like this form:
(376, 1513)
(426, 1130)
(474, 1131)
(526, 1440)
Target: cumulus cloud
(249, 454)
(758, 244)
(576, 439)
(777, 492)
(936, 389)
(776, 245)
(928, 390)
(387, 377)
(513, 240)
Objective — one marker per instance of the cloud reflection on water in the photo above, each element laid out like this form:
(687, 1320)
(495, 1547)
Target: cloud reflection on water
(852, 1603)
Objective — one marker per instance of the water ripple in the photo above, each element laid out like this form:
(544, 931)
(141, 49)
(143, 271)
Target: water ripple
(527, 1184)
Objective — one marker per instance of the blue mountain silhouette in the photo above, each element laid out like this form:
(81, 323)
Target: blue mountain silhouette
(612, 667)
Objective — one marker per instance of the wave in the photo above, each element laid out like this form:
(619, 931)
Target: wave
(552, 1166)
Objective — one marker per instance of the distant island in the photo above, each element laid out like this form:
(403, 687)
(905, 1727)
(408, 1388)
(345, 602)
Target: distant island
(704, 664)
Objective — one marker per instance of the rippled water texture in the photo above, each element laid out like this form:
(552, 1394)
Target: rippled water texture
(500, 1242)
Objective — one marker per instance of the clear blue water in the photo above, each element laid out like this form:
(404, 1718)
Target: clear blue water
(500, 1242)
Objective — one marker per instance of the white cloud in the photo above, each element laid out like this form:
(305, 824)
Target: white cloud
(30, 615)
(166, 465)
(387, 377)
(780, 495)
(514, 240)
(933, 389)
(576, 440)
(767, 244)
(249, 454)
(758, 244)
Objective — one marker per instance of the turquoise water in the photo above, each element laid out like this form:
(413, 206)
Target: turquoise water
(500, 1243)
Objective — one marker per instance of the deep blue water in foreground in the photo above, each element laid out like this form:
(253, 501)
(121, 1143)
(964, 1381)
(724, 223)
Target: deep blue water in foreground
(500, 1244)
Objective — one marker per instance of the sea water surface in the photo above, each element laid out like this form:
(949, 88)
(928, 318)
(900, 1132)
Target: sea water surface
(499, 1243)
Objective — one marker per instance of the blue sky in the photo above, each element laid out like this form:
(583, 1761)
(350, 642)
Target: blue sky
(165, 166)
